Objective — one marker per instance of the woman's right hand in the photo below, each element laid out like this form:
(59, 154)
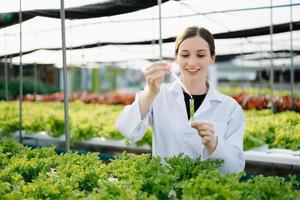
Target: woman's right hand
(155, 76)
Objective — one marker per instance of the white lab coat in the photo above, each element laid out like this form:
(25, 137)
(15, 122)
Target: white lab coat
(173, 134)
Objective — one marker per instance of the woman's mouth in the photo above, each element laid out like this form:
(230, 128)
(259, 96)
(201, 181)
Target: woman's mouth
(192, 70)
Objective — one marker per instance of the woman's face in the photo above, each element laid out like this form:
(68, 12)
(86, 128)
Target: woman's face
(194, 58)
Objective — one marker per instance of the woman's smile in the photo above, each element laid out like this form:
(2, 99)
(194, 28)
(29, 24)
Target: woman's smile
(192, 71)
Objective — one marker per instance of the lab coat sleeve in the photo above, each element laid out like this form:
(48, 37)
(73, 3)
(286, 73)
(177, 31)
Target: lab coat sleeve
(230, 147)
(130, 123)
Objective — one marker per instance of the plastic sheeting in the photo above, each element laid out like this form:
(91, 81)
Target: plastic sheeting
(104, 8)
(119, 53)
(219, 17)
(279, 28)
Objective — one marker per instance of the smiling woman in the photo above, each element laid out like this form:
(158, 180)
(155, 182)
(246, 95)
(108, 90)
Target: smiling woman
(195, 51)
(218, 124)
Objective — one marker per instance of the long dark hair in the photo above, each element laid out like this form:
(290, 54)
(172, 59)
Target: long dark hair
(194, 31)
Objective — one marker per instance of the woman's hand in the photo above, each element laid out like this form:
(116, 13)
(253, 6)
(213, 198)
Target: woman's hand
(207, 133)
(155, 76)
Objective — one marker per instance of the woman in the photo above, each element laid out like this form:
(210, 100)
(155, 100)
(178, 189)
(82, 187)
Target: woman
(218, 126)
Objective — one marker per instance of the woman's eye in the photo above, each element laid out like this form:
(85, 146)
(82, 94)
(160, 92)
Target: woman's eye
(184, 55)
(200, 56)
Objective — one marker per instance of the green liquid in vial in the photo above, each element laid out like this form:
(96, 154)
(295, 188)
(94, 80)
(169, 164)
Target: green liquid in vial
(192, 109)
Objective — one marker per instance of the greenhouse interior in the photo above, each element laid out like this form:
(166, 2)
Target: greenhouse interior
(72, 71)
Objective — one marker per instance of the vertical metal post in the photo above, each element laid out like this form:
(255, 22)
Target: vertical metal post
(35, 79)
(242, 58)
(6, 78)
(86, 78)
(292, 72)
(160, 30)
(21, 76)
(35, 69)
(10, 62)
(260, 69)
(5, 70)
(271, 58)
(65, 81)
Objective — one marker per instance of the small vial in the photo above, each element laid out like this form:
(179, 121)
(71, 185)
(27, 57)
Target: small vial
(192, 109)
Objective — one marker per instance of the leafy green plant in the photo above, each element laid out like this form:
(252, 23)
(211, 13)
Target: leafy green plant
(281, 130)
(28, 88)
(42, 174)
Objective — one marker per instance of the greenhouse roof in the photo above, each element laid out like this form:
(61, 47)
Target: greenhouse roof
(240, 27)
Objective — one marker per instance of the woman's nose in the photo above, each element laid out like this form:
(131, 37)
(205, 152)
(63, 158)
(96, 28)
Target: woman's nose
(193, 61)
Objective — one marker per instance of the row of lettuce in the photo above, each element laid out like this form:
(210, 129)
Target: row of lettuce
(261, 98)
(248, 98)
(42, 174)
(281, 130)
(236, 90)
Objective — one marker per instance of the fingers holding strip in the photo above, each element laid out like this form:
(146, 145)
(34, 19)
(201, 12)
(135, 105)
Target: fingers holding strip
(158, 66)
(203, 127)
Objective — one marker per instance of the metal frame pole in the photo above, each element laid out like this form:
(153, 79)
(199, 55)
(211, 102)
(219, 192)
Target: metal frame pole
(260, 69)
(35, 79)
(5, 69)
(6, 79)
(271, 58)
(21, 76)
(35, 69)
(66, 99)
(292, 72)
(160, 30)
(242, 59)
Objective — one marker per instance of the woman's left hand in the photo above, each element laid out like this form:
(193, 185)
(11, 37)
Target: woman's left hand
(207, 133)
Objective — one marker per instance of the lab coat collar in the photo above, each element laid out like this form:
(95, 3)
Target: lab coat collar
(212, 95)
